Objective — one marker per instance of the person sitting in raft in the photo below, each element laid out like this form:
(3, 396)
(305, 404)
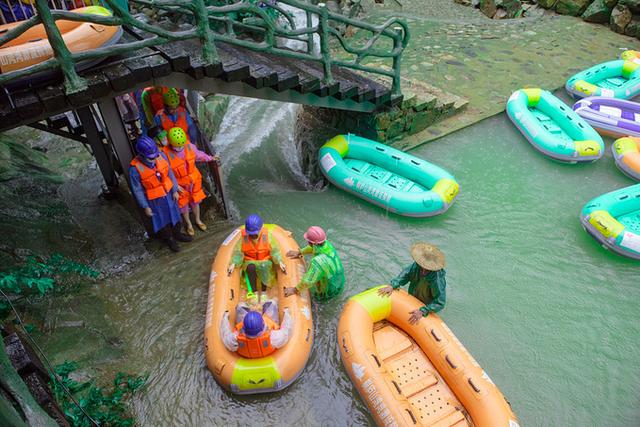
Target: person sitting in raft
(159, 135)
(256, 335)
(183, 156)
(325, 275)
(426, 278)
(156, 190)
(257, 252)
(174, 115)
(152, 101)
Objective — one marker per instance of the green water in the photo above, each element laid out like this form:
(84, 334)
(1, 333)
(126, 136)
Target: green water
(551, 316)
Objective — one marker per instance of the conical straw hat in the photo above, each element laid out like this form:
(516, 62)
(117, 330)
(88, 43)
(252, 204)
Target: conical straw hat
(427, 256)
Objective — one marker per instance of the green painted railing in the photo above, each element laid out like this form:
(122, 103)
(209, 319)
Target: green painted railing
(223, 23)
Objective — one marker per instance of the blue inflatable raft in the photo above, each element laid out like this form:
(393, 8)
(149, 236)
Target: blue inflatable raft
(613, 79)
(397, 181)
(613, 219)
(553, 128)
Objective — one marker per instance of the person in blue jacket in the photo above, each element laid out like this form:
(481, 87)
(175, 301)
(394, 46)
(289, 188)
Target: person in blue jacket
(156, 190)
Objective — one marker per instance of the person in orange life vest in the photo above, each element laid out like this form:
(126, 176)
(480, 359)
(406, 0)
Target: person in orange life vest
(152, 101)
(257, 252)
(255, 335)
(183, 156)
(156, 190)
(174, 115)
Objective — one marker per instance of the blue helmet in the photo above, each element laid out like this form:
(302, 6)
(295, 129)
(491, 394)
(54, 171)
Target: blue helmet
(253, 324)
(147, 147)
(253, 224)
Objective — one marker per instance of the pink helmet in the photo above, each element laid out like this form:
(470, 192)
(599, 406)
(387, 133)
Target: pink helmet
(315, 235)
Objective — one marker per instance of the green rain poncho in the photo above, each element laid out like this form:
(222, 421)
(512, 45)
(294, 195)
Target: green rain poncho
(325, 274)
(264, 269)
(429, 288)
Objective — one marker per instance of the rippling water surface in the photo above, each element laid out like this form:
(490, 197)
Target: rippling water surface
(551, 316)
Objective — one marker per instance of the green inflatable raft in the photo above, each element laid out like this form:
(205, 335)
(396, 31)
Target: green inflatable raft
(553, 128)
(613, 79)
(397, 181)
(613, 219)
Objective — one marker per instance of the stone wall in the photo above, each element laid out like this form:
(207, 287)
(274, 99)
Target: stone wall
(622, 16)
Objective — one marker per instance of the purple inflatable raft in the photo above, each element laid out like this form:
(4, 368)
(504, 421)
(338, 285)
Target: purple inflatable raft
(616, 117)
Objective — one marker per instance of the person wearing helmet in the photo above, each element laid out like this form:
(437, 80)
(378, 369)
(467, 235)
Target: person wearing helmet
(256, 252)
(159, 135)
(183, 156)
(155, 188)
(256, 334)
(325, 275)
(174, 115)
(426, 278)
(152, 101)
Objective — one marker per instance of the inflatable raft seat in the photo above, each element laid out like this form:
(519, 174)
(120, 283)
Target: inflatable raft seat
(432, 400)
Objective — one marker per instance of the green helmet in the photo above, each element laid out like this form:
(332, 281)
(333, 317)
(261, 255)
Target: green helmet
(171, 98)
(177, 137)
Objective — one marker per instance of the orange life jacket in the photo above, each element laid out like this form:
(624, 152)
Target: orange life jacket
(186, 174)
(259, 346)
(181, 120)
(259, 250)
(154, 186)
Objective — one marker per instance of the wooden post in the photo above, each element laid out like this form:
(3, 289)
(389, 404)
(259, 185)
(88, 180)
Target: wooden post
(99, 148)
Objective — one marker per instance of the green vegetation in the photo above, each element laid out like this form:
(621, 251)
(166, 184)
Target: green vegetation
(35, 278)
(106, 406)
(39, 276)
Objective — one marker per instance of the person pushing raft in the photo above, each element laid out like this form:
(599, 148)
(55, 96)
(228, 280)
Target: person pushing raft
(256, 253)
(156, 190)
(426, 278)
(325, 275)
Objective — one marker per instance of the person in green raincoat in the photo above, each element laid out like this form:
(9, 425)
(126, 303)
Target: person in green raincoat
(426, 278)
(256, 252)
(325, 275)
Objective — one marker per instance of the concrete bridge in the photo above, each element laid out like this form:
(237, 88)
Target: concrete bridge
(231, 47)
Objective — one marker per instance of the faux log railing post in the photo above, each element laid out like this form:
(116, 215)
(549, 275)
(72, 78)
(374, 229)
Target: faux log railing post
(73, 82)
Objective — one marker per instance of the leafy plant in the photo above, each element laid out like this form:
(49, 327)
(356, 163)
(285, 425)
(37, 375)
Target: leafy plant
(106, 406)
(38, 276)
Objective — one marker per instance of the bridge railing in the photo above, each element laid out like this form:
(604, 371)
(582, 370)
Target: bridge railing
(221, 21)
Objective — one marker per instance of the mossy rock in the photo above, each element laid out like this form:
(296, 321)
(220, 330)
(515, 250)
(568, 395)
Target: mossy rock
(633, 5)
(572, 7)
(598, 12)
(547, 4)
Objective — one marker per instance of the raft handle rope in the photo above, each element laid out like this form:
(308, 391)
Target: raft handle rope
(413, 418)
(46, 360)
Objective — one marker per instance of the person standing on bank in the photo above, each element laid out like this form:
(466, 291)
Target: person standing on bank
(426, 278)
(156, 190)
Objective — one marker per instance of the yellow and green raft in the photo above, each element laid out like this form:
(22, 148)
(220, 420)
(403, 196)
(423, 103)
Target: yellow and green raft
(613, 79)
(613, 219)
(553, 128)
(397, 181)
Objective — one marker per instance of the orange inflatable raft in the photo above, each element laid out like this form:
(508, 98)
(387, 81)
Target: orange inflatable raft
(278, 370)
(32, 46)
(415, 374)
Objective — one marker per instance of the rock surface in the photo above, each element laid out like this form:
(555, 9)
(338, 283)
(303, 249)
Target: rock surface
(598, 12)
(572, 7)
(620, 18)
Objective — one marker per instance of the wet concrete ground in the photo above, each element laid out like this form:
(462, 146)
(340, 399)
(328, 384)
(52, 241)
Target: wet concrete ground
(459, 50)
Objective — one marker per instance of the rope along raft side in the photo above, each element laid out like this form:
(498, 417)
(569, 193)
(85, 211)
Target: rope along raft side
(415, 374)
(267, 374)
(396, 181)
(613, 219)
(613, 79)
(553, 128)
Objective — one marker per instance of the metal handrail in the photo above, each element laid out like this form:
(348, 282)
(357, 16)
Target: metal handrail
(271, 29)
